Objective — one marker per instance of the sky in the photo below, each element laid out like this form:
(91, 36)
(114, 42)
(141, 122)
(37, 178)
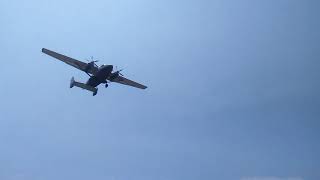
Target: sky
(233, 90)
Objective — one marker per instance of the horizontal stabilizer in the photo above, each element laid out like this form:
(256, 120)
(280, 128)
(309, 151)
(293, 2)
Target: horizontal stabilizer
(83, 86)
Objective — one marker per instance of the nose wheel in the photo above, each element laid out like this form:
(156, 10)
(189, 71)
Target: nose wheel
(107, 85)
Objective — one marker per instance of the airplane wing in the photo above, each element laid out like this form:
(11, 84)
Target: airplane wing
(125, 81)
(72, 62)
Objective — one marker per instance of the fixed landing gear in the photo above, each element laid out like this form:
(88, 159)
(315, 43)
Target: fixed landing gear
(106, 85)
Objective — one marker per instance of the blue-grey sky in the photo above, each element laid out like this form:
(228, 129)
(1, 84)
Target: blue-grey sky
(233, 90)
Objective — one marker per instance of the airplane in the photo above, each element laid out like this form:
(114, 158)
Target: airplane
(98, 75)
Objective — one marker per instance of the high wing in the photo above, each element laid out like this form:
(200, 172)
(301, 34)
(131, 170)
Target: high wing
(125, 81)
(72, 62)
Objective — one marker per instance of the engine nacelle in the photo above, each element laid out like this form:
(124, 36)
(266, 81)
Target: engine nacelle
(89, 66)
(114, 76)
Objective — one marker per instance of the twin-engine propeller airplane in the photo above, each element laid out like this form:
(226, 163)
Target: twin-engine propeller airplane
(98, 75)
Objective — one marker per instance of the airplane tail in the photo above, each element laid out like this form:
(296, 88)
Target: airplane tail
(83, 86)
(72, 82)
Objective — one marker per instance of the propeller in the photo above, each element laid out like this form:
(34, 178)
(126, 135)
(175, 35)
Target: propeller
(92, 61)
(118, 71)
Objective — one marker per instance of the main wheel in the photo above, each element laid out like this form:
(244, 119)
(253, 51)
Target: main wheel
(107, 85)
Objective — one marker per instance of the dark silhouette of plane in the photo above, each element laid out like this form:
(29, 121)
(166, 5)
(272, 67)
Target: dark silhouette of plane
(98, 75)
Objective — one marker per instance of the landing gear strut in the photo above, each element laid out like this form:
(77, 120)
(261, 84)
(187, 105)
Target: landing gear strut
(107, 85)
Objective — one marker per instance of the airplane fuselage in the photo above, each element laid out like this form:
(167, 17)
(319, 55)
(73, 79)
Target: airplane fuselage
(100, 77)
